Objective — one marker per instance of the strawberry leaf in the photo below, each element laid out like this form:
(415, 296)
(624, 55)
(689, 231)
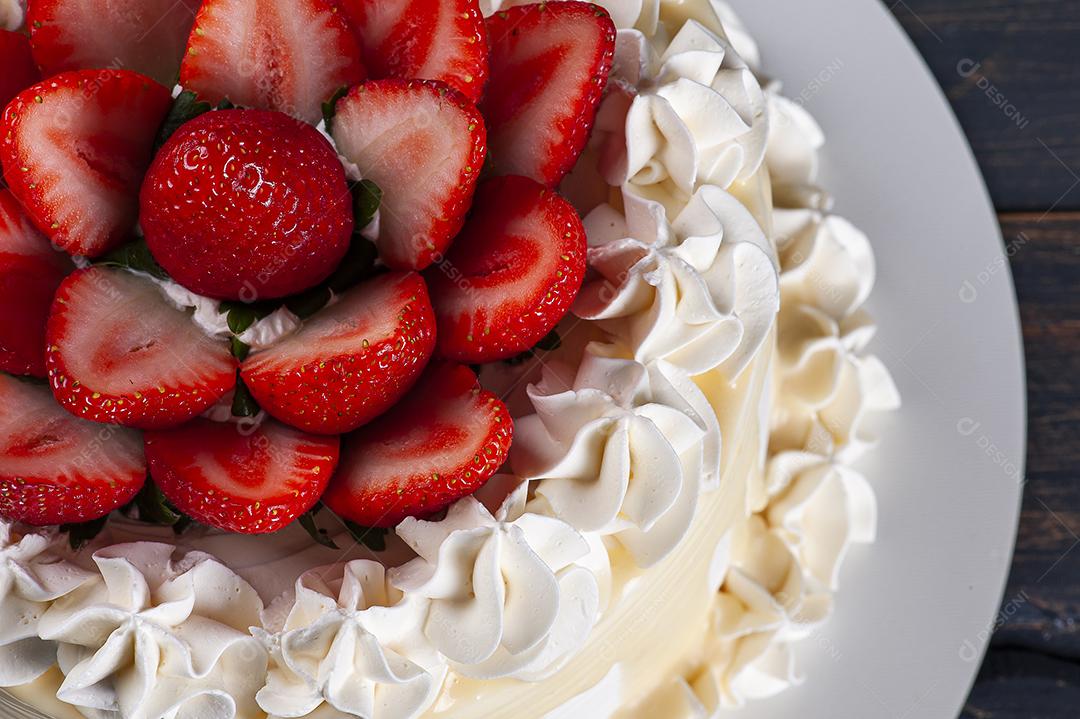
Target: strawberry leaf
(80, 534)
(134, 256)
(154, 508)
(186, 107)
(243, 404)
(358, 265)
(239, 349)
(310, 302)
(374, 538)
(329, 108)
(307, 521)
(367, 197)
(242, 315)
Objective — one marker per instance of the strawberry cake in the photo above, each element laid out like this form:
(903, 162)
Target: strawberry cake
(417, 358)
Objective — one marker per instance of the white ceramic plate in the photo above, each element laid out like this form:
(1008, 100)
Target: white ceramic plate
(916, 609)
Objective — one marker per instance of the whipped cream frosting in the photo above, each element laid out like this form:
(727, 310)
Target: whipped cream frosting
(698, 119)
(31, 578)
(12, 14)
(505, 595)
(349, 644)
(623, 451)
(700, 290)
(617, 444)
(153, 636)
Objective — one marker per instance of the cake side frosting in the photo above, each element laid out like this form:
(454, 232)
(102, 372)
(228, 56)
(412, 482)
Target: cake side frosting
(641, 464)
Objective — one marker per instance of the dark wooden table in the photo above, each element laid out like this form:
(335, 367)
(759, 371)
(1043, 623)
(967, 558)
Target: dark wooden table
(1011, 69)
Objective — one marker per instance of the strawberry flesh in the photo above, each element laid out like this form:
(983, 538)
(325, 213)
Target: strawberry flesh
(231, 478)
(58, 469)
(20, 72)
(30, 272)
(441, 443)
(549, 65)
(352, 361)
(442, 40)
(147, 36)
(515, 270)
(263, 212)
(284, 55)
(119, 353)
(423, 144)
(75, 148)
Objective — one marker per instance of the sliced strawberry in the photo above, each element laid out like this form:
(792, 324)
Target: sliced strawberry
(273, 225)
(285, 55)
(424, 145)
(58, 469)
(118, 352)
(439, 444)
(75, 148)
(514, 272)
(146, 36)
(30, 272)
(20, 72)
(442, 40)
(549, 66)
(228, 477)
(352, 361)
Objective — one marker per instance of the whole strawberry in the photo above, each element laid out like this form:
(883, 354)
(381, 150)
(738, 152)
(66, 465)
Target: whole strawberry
(246, 205)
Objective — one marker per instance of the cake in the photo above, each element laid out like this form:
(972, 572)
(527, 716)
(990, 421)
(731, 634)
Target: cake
(486, 360)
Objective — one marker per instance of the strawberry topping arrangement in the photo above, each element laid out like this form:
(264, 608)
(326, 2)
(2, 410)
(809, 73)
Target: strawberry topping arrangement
(257, 297)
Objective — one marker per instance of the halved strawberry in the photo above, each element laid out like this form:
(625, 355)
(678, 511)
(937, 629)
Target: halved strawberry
(20, 72)
(285, 55)
(58, 469)
(30, 271)
(439, 444)
(442, 40)
(234, 479)
(118, 352)
(146, 36)
(512, 273)
(352, 361)
(75, 148)
(423, 144)
(549, 66)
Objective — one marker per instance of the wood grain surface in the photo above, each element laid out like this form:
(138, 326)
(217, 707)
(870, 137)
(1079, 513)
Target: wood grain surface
(1011, 69)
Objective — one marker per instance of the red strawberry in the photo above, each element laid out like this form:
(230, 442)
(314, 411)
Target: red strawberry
(285, 55)
(247, 204)
(75, 148)
(424, 145)
(20, 72)
(147, 36)
(549, 66)
(512, 273)
(58, 469)
(352, 361)
(439, 444)
(30, 272)
(241, 481)
(442, 40)
(118, 352)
